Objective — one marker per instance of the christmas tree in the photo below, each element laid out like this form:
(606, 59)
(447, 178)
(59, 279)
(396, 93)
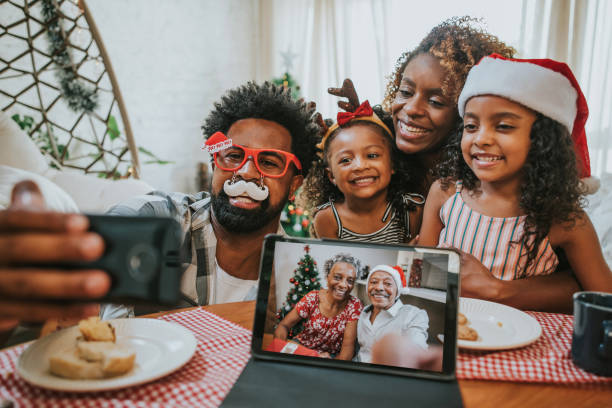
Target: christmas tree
(287, 81)
(295, 220)
(305, 279)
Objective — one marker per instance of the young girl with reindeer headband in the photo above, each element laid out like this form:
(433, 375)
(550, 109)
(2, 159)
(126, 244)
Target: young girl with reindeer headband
(510, 193)
(356, 187)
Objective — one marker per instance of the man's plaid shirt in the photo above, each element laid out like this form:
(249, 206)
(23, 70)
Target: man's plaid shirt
(192, 211)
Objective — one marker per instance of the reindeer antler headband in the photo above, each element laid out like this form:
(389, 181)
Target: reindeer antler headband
(354, 112)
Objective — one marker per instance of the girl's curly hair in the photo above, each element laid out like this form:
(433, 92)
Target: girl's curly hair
(550, 192)
(318, 189)
(273, 103)
(459, 46)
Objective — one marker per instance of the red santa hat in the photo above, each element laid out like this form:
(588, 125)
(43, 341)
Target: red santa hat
(397, 273)
(544, 85)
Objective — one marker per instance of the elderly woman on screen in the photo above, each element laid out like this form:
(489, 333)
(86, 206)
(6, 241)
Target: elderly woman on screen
(331, 314)
(387, 314)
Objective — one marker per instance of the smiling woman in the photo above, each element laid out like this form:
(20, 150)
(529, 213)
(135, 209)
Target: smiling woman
(331, 314)
(423, 90)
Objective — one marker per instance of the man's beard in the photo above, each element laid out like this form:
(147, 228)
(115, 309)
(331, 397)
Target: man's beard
(237, 219)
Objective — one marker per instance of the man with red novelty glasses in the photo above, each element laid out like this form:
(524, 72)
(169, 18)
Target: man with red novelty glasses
(262, 141)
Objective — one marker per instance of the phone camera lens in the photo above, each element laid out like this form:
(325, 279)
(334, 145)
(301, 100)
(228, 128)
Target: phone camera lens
(142, 262)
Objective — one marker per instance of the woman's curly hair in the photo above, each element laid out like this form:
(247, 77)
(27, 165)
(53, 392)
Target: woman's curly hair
(459, 46)
(550, 192)
(341, 257)
(318, 189)
(270, 102)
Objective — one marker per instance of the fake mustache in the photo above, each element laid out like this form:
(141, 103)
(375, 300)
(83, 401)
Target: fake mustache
(240, 187)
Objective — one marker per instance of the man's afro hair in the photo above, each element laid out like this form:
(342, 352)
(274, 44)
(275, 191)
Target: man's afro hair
(273, 103)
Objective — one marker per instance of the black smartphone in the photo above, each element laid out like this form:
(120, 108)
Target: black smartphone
(142, 256)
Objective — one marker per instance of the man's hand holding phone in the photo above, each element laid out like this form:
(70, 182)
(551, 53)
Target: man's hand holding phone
(31, 236)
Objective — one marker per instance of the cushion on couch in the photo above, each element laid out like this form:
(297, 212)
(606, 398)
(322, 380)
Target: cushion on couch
(18, 150)
(55, 198)
(96, 195)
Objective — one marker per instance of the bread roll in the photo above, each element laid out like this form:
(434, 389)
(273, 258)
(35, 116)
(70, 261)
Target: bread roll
(118, 361)
(93, 329)
(93, 350)
(466, 333)
(95, 356)
(67, 364)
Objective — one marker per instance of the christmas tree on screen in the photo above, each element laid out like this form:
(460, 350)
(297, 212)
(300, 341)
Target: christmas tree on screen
(305, 278)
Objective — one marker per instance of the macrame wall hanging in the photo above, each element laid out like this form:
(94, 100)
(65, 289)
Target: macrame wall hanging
(57, 83)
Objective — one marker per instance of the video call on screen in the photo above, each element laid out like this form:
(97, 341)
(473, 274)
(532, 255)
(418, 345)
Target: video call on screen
(411, 319)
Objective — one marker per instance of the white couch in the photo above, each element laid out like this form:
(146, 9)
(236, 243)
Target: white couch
(67, 190)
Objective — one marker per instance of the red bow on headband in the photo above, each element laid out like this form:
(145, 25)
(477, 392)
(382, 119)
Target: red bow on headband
(363, 110)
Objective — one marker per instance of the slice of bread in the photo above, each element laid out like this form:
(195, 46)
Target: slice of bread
(94, 350)
(93, 329)
(67, 364)
(111, 360)
(118, 361)
(95, 355)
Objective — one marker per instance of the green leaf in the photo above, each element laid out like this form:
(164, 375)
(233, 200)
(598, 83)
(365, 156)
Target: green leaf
(145, 151)
(156, 160)
(60, 149)
(25, 123)
(113, 128)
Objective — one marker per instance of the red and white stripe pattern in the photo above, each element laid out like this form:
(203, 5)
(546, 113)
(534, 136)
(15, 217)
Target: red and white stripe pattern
(491, 240)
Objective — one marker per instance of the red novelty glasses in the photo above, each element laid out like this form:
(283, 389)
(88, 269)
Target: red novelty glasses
(231, 157)
(269, 162)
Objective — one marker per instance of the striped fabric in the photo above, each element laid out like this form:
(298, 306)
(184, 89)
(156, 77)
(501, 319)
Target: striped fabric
(393, 232)
(192, 211)
(490, 239)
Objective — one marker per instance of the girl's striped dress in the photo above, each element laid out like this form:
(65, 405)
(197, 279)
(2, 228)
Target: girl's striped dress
(493, 240)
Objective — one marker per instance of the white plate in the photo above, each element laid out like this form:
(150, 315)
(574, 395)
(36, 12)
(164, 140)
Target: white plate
(499, 326)
(161, 348)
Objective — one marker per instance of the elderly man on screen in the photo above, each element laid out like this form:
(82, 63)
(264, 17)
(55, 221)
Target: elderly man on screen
(387, 314)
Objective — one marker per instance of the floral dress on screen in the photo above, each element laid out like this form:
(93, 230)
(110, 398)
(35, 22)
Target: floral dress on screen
(325, 334)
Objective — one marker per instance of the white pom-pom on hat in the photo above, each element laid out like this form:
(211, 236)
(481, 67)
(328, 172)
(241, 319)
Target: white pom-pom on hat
(397, 273)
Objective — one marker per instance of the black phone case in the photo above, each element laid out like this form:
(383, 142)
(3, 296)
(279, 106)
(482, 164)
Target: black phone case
(275, 384)
(142, 256)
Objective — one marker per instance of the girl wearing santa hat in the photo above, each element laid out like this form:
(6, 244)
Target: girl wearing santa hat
(510, 196)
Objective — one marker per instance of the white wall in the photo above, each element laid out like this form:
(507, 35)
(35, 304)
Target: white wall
(172, 60)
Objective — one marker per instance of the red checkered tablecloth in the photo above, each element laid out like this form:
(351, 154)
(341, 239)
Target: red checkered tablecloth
(222, 352)
(548, 360)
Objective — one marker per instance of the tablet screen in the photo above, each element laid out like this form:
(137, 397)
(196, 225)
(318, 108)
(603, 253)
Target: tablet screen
(364, 306)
